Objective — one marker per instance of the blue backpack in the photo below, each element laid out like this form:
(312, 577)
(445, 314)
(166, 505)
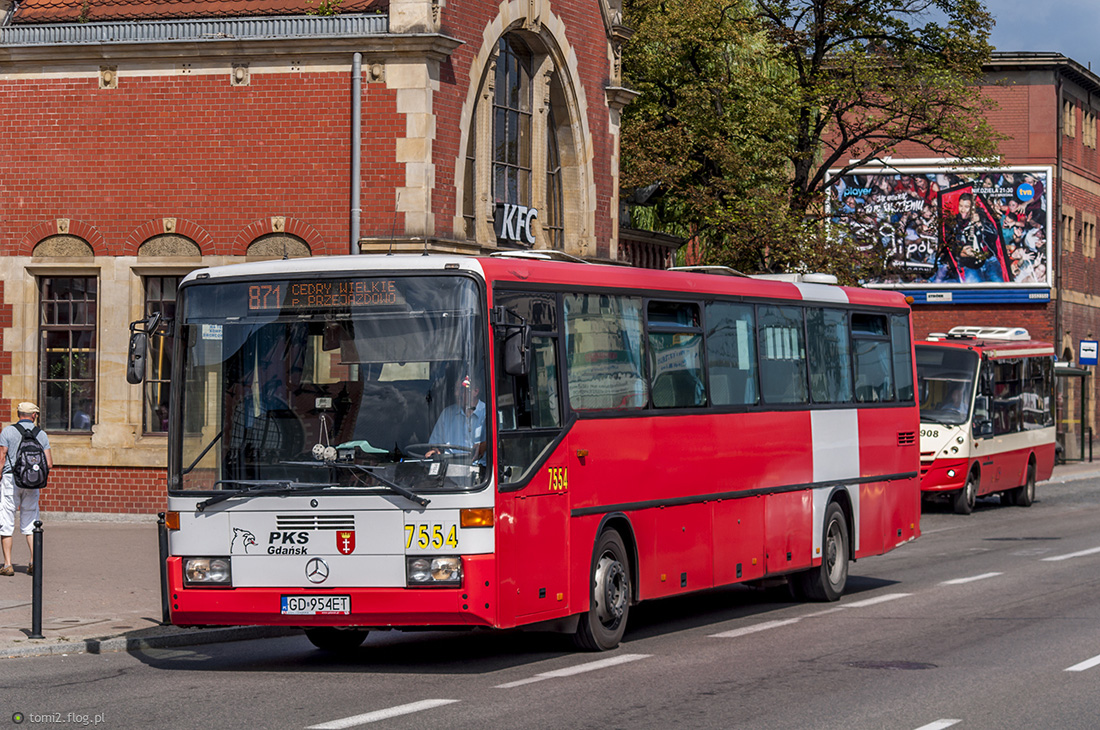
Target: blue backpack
(29, 469)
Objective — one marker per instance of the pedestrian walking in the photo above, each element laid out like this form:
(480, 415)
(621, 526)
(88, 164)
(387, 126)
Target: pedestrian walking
(13, 496)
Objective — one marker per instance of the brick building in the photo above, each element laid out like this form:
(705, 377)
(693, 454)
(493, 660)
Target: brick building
(1040, 208)
(145, 140)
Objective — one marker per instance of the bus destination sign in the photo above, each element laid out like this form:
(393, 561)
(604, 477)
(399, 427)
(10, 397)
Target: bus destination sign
(323, 294)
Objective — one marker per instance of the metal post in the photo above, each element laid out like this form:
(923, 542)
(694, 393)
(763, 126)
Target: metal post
(36, 583)
(162, 538)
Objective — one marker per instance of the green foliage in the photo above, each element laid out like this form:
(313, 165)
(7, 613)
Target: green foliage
(325, 7)
(747, 105)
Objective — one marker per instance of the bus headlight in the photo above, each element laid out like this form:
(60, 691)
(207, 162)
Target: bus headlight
(207, 572)
(423, 570)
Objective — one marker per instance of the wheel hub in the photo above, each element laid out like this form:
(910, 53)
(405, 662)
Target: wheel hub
(611, 589)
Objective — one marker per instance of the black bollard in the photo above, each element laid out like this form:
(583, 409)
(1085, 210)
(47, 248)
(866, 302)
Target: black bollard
(36, 590)
(162, 538)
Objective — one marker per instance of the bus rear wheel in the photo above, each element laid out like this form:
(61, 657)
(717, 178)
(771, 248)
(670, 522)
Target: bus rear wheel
(602, 626)
(334, 640)
(826, 582)
(966, 497)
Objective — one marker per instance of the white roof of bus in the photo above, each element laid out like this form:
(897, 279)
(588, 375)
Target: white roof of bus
(340, 264)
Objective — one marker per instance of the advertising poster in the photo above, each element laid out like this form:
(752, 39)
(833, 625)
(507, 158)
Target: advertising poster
(949, 228)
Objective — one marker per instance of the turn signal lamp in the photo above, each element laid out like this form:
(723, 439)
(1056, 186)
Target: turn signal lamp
(172, 520)
(476, 517)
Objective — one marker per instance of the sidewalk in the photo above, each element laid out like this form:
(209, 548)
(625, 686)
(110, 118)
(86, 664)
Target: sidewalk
(100, 592)
(101, 588)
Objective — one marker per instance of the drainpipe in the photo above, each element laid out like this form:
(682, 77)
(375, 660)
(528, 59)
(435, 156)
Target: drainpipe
(1058, 281)
(356, 147)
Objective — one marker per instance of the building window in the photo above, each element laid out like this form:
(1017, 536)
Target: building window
(160, 297)
(552, 217)
(67, 352)
(521, 150)
(512, 125)
(1069, 119)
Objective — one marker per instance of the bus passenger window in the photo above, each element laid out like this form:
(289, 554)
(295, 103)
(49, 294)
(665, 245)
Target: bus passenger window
(830, 357)
(782, 355)
(731, 354)
(873, 358)
(675, 354)
(603, 352)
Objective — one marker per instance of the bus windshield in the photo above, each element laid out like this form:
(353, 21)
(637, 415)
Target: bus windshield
(945, 379)
(350, 382)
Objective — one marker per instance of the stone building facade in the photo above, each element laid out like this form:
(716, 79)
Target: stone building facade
(147, 140)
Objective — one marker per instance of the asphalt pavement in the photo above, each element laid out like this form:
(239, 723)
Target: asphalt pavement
(101, 587)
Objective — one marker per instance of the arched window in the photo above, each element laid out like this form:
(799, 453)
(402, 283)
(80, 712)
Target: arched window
(520, 147)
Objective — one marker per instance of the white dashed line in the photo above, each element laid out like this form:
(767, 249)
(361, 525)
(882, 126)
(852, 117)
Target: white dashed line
(971, 579)
(380, 715)
(938, 724)
(1087, 664)
(755, 628)
(1079, 554)
(877, 599)
(578, 669)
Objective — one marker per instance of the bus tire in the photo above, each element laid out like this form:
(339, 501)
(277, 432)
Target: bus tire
(966, 497)
(826, 582)
(602, 626)
(1024, 496)
(334, 640)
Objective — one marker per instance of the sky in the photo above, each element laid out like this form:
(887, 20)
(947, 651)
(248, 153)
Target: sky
(1069, 27)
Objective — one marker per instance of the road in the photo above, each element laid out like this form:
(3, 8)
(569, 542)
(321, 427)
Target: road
(990, 620)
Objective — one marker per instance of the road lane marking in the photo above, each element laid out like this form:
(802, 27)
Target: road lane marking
(380, 715)
(877, 599)
(1087, 664)
(971, 579)
(578, 669)
(743, 631)
(939, 724)
(1078, 554)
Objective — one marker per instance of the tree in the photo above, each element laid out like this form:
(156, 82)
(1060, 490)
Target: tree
(710, 124)
(764, 98)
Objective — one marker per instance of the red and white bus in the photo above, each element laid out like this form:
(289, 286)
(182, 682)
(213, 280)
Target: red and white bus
(380, 442)
(987, 414)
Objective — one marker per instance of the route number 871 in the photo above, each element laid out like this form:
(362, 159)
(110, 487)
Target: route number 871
(431, 536)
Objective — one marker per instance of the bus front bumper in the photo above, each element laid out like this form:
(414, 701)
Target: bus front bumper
(944, 475)
(472, 604)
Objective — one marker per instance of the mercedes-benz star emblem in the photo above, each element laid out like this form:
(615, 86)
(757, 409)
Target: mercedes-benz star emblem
(316, 570)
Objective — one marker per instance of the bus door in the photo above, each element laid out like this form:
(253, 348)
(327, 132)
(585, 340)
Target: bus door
(981, 427)
(532, 471)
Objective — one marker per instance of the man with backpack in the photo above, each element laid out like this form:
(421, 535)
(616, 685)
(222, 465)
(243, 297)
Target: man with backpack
(25, 453)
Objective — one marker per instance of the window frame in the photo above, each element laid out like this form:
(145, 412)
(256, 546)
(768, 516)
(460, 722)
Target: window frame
(44, 328)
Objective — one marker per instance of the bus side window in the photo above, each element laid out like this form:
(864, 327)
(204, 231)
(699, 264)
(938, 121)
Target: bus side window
(782, 355)
(873, 358)
(731, 354)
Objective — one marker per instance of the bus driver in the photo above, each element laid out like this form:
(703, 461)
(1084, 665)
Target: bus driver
(462, 423)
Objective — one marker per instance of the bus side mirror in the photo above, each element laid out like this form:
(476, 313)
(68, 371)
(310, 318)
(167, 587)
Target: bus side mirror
(516, 341)
(517, 345)
(139, 345)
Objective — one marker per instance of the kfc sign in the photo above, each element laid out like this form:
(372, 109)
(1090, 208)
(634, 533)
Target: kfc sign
(512, 223)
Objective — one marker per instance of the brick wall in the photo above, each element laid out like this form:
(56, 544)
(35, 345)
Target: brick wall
(108, 490)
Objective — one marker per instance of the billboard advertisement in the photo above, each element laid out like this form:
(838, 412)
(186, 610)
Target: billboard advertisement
(949, 228)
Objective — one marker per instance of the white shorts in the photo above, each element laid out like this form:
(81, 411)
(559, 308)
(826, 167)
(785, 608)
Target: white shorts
(12, 498)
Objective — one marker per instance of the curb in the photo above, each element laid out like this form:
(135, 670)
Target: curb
(164, 641)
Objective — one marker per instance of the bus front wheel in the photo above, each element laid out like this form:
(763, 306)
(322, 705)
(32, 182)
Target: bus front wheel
(966, 497)
(602, 627)
(1024, 496)
(826, 582)
(334, 640)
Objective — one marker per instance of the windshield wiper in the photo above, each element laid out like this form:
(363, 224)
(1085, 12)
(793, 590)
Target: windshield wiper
(199, 457)
(391, 485)
(259, 486)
